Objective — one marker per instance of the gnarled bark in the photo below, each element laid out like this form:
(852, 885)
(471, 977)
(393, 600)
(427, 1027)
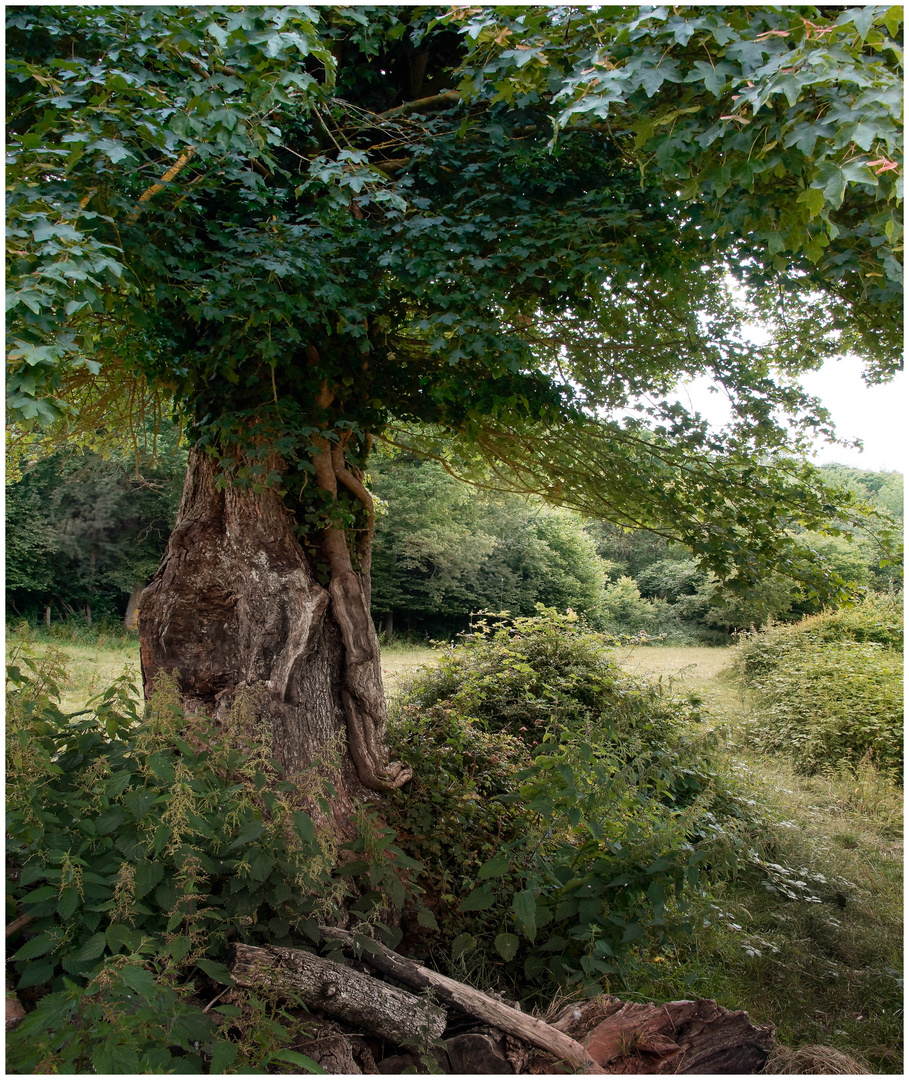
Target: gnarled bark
(236, 606)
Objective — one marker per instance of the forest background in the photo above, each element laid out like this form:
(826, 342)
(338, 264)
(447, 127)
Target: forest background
(85, 533)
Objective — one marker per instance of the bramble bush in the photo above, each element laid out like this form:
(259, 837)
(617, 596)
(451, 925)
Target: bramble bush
(142, 843)
(562, 810)
(829, 688)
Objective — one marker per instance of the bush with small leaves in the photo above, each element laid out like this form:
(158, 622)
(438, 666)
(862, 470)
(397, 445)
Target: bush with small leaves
(559, 807)
(829, 688)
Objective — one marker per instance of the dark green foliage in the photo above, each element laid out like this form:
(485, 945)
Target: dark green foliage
(556, 803)
(254, 216)
(829, 689)
(86, 529)
(444, 550)
(141, 844)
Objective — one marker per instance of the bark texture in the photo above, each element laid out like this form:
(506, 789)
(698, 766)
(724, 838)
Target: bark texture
(236, 608)
(681, 1037)
(340, 991)
(450, 992)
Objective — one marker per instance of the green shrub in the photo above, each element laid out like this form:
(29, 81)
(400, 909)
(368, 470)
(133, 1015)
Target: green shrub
(559, 807)
(829, 688)
(140, 844)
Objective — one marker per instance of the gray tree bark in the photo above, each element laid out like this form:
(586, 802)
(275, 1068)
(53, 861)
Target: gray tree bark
(340, 991)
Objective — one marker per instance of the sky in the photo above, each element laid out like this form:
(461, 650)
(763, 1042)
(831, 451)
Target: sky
(878, 415)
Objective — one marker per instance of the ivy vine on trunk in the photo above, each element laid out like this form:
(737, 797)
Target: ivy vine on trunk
(243, 602)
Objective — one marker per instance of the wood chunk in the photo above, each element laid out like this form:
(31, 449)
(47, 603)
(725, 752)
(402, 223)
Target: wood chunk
(397, 1063)
(474, 1054)
(532, 1030)
(339, 991)
(334, 1055)
(681, 1037)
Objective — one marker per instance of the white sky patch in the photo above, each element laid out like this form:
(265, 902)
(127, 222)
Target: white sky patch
(878, 415)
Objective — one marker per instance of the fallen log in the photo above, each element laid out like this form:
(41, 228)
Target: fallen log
(340, 991)
(450, 992)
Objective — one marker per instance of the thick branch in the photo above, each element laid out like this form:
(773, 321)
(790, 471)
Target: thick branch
(391, 1013)
(428, 104)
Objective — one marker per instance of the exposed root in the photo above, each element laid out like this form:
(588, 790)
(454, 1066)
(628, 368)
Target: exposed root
(364, 701)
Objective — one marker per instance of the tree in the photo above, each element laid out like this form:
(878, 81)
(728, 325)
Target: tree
(444, 550)
(83, 530)
(516, 226)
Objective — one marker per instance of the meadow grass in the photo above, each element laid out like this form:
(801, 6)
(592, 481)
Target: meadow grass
(827, 971)
(91, 665)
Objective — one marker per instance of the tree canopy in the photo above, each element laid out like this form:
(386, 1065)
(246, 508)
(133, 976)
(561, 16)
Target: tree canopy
(515, 226)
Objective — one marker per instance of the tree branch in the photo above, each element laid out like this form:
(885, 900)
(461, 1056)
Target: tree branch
(178, 166)
(435, 103)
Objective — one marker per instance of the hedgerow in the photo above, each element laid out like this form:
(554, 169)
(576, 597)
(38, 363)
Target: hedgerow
(829, 688)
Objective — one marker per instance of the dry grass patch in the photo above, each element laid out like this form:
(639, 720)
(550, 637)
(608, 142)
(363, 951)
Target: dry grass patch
(814, 1060)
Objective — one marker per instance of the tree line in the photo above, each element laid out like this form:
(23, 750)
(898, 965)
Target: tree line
(85, 533)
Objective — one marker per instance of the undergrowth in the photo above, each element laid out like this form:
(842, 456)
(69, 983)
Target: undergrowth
(141, 844)
(789, 903)
(569, 829)
(564, 812)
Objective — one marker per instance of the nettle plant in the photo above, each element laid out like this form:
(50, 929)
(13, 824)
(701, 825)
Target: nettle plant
(562, 810)
(142, 843)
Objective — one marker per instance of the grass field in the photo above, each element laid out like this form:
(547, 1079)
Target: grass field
(826, 973)
(92, 667)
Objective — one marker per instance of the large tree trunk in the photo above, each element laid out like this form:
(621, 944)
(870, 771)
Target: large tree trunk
(236, 607)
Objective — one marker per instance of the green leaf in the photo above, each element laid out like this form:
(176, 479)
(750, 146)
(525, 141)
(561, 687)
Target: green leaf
(223, 1056)
(36, 974)
(497, 866)
(478, 900)
(815, 200)
(139, 979)
(633, 932)
(463, 943)
(524, 907)
(507, 946)
(140, 802)
(426, 918)
(92, 948)
(292, 1057)
(216, 971)
(147, 876)
(121, 936)
(69, 901)
(37, 946)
